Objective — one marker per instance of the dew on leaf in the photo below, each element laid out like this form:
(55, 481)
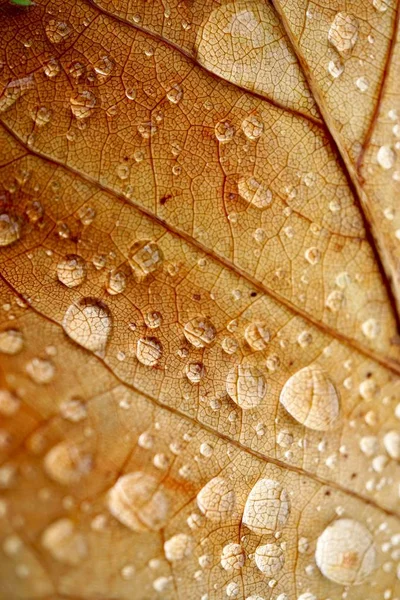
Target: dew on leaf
(14, 91)
(254, 192)
(252, 127)
(139, 502)
(149, 351)
(200, 332)
(217, 499)
(257, 335)
(40, 370)
(82, 104)
(391, 441)
(267, 507)
(145, 257)
(9, 403)
(195, 372)
(224, 131)
(310, 397)
(73, 410)
(343, 32)
(246, 386)
(386, 157)
(178, 547)
(10, 229)
(116, 283)
(58, 31)
(175, 94)
(71, 271)
(346, 552)
(65, 543)
(11, 341)
(232, 557)
(67, 463)
(269, 559)
(88, 323)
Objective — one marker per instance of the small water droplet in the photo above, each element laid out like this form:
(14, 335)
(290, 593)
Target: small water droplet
(224, 131)
(11, 341)
(82, 104)
(343, 32)
(145, 257)
(58, 31)
(246, 386)
(217, 499)
(71, 271)
(200, 332)
(88, 323)
(65, 543)
(252, 127)
(175, 94)
(149, 351)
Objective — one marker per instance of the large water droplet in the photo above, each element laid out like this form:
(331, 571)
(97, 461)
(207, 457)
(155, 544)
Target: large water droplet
(267, 507)
(139, 502)
(343, 32)
(217, 499)
(310, 397)
(199, 331)
(386, 157)
(65, 543)
(145, 257)
(71, 271)
(246, 386)
(346, 553)
(89, 324)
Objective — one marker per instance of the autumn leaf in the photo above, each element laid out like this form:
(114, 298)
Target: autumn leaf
(200, 292)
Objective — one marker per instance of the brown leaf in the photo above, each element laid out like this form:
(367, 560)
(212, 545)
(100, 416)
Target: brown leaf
(199, 349)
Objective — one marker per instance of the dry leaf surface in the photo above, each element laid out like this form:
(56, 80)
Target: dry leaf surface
(199, 262)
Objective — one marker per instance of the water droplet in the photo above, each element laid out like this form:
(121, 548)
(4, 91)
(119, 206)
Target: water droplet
(229, 345)
(335, 68)
(232, 557)
(252, 127)
(139, 502)
(149, 351)
(130, 93)
(224, 131)
(267, 507)
(86, 215)
(362, 84)
(217, 499)
(11, 341)
(175, 94)
(257, 335)
(335, 300)
(195, 372)
(104, 67)
(200, 332)
(153, 319)
(52, 68)
(67, 463)
(147, 130)
(71, 271)
(386, 157)
(391, 441)
(64, 542)
(345, 552)
(82, 104)
(57, 31)
(9, 403)
(40, 370)
(116, 283)
(310, 397)
(73, 410)
(254, 192)
(312, 255)
(371, 328)
(246, 386)
(178, 547)
(88, 323)
(42, 115)
(343, 32)
(381, 5)
(270, 559)
(145, 257)
(10, 229)
(14, 91)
